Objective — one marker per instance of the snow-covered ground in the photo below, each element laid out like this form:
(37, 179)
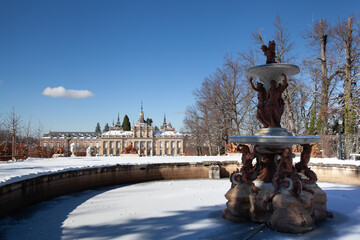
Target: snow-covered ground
(181, 209)
(15, 171)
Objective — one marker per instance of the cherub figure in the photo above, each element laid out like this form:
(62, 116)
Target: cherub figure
(247, 170)
(285, 174)
(302, 166)
(269, 52)
(260, 115)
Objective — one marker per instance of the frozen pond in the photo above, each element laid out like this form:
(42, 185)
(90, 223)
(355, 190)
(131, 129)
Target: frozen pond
(181, 209)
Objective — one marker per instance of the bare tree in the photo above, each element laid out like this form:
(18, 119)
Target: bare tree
(27, 131)
(13, 122)
(347, 38)
(38, 131)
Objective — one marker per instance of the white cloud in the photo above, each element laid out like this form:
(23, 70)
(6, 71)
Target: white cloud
(61, 92)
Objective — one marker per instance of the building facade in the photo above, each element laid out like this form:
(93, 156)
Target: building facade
(146, 141)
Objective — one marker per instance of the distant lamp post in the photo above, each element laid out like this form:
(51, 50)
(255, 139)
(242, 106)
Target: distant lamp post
(68, 139)
(340, 145)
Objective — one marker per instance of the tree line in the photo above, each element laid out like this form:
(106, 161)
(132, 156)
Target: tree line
(326, 91)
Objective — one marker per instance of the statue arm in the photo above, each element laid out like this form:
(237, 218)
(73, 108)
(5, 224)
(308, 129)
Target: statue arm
(285, 83)
(252, 85)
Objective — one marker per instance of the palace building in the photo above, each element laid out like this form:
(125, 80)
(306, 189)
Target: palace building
(146, 141)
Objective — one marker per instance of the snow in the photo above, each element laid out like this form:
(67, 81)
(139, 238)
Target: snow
(167, 133)
(117, 133)
(181, 209)
(32, 167)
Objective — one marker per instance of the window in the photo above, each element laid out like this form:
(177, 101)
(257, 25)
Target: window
(44, 144)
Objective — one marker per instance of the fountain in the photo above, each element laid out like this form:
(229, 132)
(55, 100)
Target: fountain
(273, 191)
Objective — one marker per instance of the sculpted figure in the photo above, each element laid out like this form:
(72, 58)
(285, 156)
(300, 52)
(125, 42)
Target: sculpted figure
(88, 152)
(129, 149)
(285, 174)
(269, 52)
(274, 105)
(260, 115)
(247, 170)
(59, 150)
(232, 148)
(73, 149)
(267, 168)
(302, 166)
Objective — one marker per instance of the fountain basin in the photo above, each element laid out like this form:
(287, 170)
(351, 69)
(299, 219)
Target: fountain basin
(278, 142)
(272, 71)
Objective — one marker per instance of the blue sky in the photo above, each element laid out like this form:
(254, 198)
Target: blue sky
(125, 52)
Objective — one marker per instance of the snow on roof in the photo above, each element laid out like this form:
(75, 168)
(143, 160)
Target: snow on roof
(167, 133)
(117, 133)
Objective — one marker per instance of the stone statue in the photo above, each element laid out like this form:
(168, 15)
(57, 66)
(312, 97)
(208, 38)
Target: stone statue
(269, 52)
(129, 149)
(267, 168)
(59, 150)
(286, 175)
(302, 166)
(274, 104)
(260, 115)
(73, 149)
(247, 170)
(232, 148)
(88, 152)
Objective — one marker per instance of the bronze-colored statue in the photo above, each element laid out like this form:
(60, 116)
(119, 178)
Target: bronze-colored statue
(129, 149)
(269, 52)
(267, 168)
(274, 105)
(232, 148)
(302, 166)
(247, 170)
(286, 175)
(59, 150)
(260, 115)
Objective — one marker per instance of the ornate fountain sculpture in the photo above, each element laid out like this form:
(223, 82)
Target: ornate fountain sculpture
(273, 191)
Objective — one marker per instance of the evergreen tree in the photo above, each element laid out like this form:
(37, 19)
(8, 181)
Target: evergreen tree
(156, 129)
(149, 121)
(106, 128)
(126, 123)
(98, 129)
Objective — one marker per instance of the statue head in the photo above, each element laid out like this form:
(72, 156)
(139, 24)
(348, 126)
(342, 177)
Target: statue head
(259, 85)
(287, 152)
(273, 84)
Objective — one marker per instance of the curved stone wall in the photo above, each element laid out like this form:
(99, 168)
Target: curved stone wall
(20, 194)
